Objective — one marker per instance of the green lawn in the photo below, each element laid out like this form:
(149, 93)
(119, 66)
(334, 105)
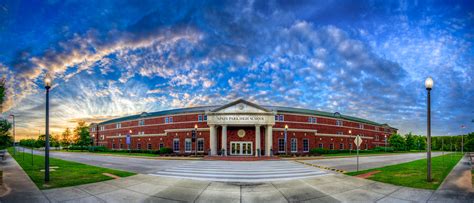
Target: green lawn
(116, 153)
(68, 173)
(413, 174)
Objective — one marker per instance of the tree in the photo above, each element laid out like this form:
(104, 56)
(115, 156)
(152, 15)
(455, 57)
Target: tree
(420, 142)
(410, 141)
(2, 93)
(5, 139)
(66, 137)
(397, 142)
(82, 133)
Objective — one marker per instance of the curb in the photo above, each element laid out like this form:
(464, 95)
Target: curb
(321, 167)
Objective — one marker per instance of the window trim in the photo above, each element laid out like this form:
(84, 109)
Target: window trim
(186, 141)
(176, 148)
(307, 145)
(202, 141)
(321, 145)
(283, 144)
(341, 144)
(296, 145)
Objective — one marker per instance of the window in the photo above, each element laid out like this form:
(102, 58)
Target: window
(305, 145)
(187, 145)
(377, 129)
(121, 146)
(113, 146)
(321, 145)
(166, 120)
(294, 145)
(92, 129)
(200, 144)
(149, 146)
(281, 145)
(205, 117)
(141, 122)
(176, 145)
(339, 133)
(171, 119)
(312, 120)
(366, 146)
(161, 146)
(120, 134)
(331, 146)
(102, 137)
(199, 118)
(279, 118)
(102, 128)
(341, 146)
(141, 133)
(118, 125)
(350, 146)
(139, 146)
(361, 126)
(376, 138)
(338, 122)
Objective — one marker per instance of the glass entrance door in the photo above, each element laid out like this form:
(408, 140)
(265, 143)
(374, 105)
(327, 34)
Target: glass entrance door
(241, 148)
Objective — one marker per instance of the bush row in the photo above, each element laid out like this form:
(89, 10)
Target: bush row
(163, 150)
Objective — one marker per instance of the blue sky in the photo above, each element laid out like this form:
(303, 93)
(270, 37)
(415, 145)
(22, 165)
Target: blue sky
(112, 58)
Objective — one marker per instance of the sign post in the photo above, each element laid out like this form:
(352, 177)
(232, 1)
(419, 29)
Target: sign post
(358, 141)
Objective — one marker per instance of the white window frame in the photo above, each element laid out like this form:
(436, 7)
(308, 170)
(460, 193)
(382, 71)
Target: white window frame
(113, 145)
(200, 144)
(149, 146)
(281, 144)
(205, 117)
(295, 145)
(102, 137)
(171, 119)
(167, 120)
(361, 126)
(102, 128)
(331, 146)
(139, 146)
(118, 125)
(350, 146)
(340, 133)
(141, 122)
(376, 138)
(281, 117)
(188, 148)
(341, 144)
(339, 123)
(200, 118)
(305, 149)
(175, 148)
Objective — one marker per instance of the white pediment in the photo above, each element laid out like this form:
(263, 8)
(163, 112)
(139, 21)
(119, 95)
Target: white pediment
(240, 106)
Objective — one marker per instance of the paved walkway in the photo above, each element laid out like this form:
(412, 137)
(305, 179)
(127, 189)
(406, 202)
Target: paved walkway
(22, 189)
(241, 171)
(368, 162)
(457, 185)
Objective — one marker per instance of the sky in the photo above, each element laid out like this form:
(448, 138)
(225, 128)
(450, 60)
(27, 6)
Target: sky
(112, 58)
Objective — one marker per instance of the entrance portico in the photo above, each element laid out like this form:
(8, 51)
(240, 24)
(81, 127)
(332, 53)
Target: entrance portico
(237, 120)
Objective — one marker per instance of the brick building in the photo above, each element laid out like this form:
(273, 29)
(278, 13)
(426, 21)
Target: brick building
(239, 128)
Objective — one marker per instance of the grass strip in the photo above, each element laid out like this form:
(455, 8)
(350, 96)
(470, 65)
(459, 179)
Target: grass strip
(413, 174)
(62, 173)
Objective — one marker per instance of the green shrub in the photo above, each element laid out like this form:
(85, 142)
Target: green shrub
(382, 149)
(166, 150)
(97, 149)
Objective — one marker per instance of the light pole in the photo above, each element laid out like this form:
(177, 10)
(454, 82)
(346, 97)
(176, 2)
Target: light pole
(47, 85)
(350, 149)
(194, 136)
(286, 136)
(385, 136)
(14, 147)
(429, 86)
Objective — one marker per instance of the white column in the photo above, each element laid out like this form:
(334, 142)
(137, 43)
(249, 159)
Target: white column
(224, 139)
(257, 139)
(213, 139)
(269, 140)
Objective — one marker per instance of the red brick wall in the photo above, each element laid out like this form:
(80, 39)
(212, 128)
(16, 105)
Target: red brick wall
(323, 125)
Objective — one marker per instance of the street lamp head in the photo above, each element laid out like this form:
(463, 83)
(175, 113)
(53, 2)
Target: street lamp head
(196, 126)
(48, 81)
(429, 83)
(130, 131)
(286, 126)
(350, 131)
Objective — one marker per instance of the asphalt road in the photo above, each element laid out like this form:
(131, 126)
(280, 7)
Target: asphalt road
(368, 162)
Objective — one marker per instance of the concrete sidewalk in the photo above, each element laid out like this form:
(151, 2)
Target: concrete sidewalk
(457, 185)
(22, 189)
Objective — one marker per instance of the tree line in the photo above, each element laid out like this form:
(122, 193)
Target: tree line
(79, 136)
(409, 142)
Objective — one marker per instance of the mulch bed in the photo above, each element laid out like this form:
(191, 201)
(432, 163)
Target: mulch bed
(368, 175)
